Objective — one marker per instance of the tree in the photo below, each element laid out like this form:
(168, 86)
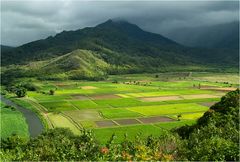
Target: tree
(51, 92)
(179, 116)
(21, 92)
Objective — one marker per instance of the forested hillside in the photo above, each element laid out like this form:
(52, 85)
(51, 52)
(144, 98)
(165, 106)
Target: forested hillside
(121, 44)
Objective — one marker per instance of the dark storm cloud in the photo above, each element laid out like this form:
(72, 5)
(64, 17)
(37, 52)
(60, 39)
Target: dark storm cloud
(25, 21)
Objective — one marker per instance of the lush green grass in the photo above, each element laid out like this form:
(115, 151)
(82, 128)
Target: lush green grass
(23, 103)
(190, 116)
(169, 92)
(84, 111)
(104, 134)
(58, 105)
(119, 102)
(60, 121)
(83, 115)
(84, 104)
(175, 124)
(119, 113)
(184, 84)
(12, 122)
(46, 97)
(232, 78)
(105, 88)
(88, 124)
(168, 109)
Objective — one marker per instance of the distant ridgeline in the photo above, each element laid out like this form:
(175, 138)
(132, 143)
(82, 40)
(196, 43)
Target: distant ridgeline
(113, 47)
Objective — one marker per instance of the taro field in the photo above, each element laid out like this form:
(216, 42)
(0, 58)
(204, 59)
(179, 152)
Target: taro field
(145, 104)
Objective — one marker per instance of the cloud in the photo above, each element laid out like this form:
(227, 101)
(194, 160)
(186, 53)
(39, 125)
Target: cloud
(25, 21)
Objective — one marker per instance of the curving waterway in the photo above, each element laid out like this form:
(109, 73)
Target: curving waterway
(35, 126)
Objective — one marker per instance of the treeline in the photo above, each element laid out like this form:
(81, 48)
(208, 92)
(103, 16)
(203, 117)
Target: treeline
(215, 137)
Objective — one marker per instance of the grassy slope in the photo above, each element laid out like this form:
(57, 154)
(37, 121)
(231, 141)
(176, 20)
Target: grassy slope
(12, 122)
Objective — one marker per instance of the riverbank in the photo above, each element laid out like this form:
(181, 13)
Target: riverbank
(35, 126)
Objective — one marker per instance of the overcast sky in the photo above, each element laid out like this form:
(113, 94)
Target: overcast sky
(26, 21)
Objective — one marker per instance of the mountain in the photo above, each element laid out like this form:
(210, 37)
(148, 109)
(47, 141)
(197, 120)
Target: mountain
(121, 37)
(216, 36)
(5, 48)
(125, 47)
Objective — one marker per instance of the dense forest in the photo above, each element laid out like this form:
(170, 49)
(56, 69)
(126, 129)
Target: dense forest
(215, 137)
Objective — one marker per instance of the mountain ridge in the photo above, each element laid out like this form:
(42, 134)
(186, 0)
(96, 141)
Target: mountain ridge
(122, 45)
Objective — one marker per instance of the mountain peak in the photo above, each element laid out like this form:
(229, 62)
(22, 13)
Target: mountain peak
(117, 22)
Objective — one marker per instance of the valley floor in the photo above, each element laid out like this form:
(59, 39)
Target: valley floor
(145, 104)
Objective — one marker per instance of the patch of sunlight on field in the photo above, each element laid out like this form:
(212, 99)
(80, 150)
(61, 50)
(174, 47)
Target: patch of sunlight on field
(60, 121)
(58, 106)
(85, 114)
(88, 124)
(104, 134)
(119, 102)
(230, 78)
(168, 93)
(175, 124)
(168, 109)
(191, 116)
(119, 113)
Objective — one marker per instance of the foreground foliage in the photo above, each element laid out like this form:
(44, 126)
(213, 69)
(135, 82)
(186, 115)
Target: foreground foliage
(215, 137)
(216, 134)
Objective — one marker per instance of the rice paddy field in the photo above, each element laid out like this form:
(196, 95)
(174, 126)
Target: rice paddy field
(128, 105)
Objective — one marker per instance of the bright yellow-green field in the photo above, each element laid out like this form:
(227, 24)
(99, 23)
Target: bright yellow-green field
(82, 104)
(58, 120)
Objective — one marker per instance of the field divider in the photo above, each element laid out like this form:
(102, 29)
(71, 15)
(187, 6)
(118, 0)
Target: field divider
(72, 104)
(41, 110)
(139, 121)
(50, 124)
(116, 122)
(37, 105)
(72, 121)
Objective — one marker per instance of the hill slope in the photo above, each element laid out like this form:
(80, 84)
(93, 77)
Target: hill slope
(124, 46)
(78, 64)
(5, 48)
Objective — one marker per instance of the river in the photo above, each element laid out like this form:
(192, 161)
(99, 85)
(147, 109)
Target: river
(35, 126)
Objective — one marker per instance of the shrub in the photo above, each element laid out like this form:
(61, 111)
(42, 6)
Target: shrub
(51, 92)
(20, 92)
(30, 86)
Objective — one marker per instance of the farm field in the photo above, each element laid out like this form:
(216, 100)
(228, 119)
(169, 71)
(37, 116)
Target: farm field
(128, 104)
(12, 122)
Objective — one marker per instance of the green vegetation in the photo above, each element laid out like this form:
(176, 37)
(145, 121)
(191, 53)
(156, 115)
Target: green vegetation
(215, 137)
(12, 122)
(57, 106)
(119, 113)
(109, 93)
(175, 124)
(20, 92)
(109, 48)
(130, 131)
(60, 121)
(168, 109)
